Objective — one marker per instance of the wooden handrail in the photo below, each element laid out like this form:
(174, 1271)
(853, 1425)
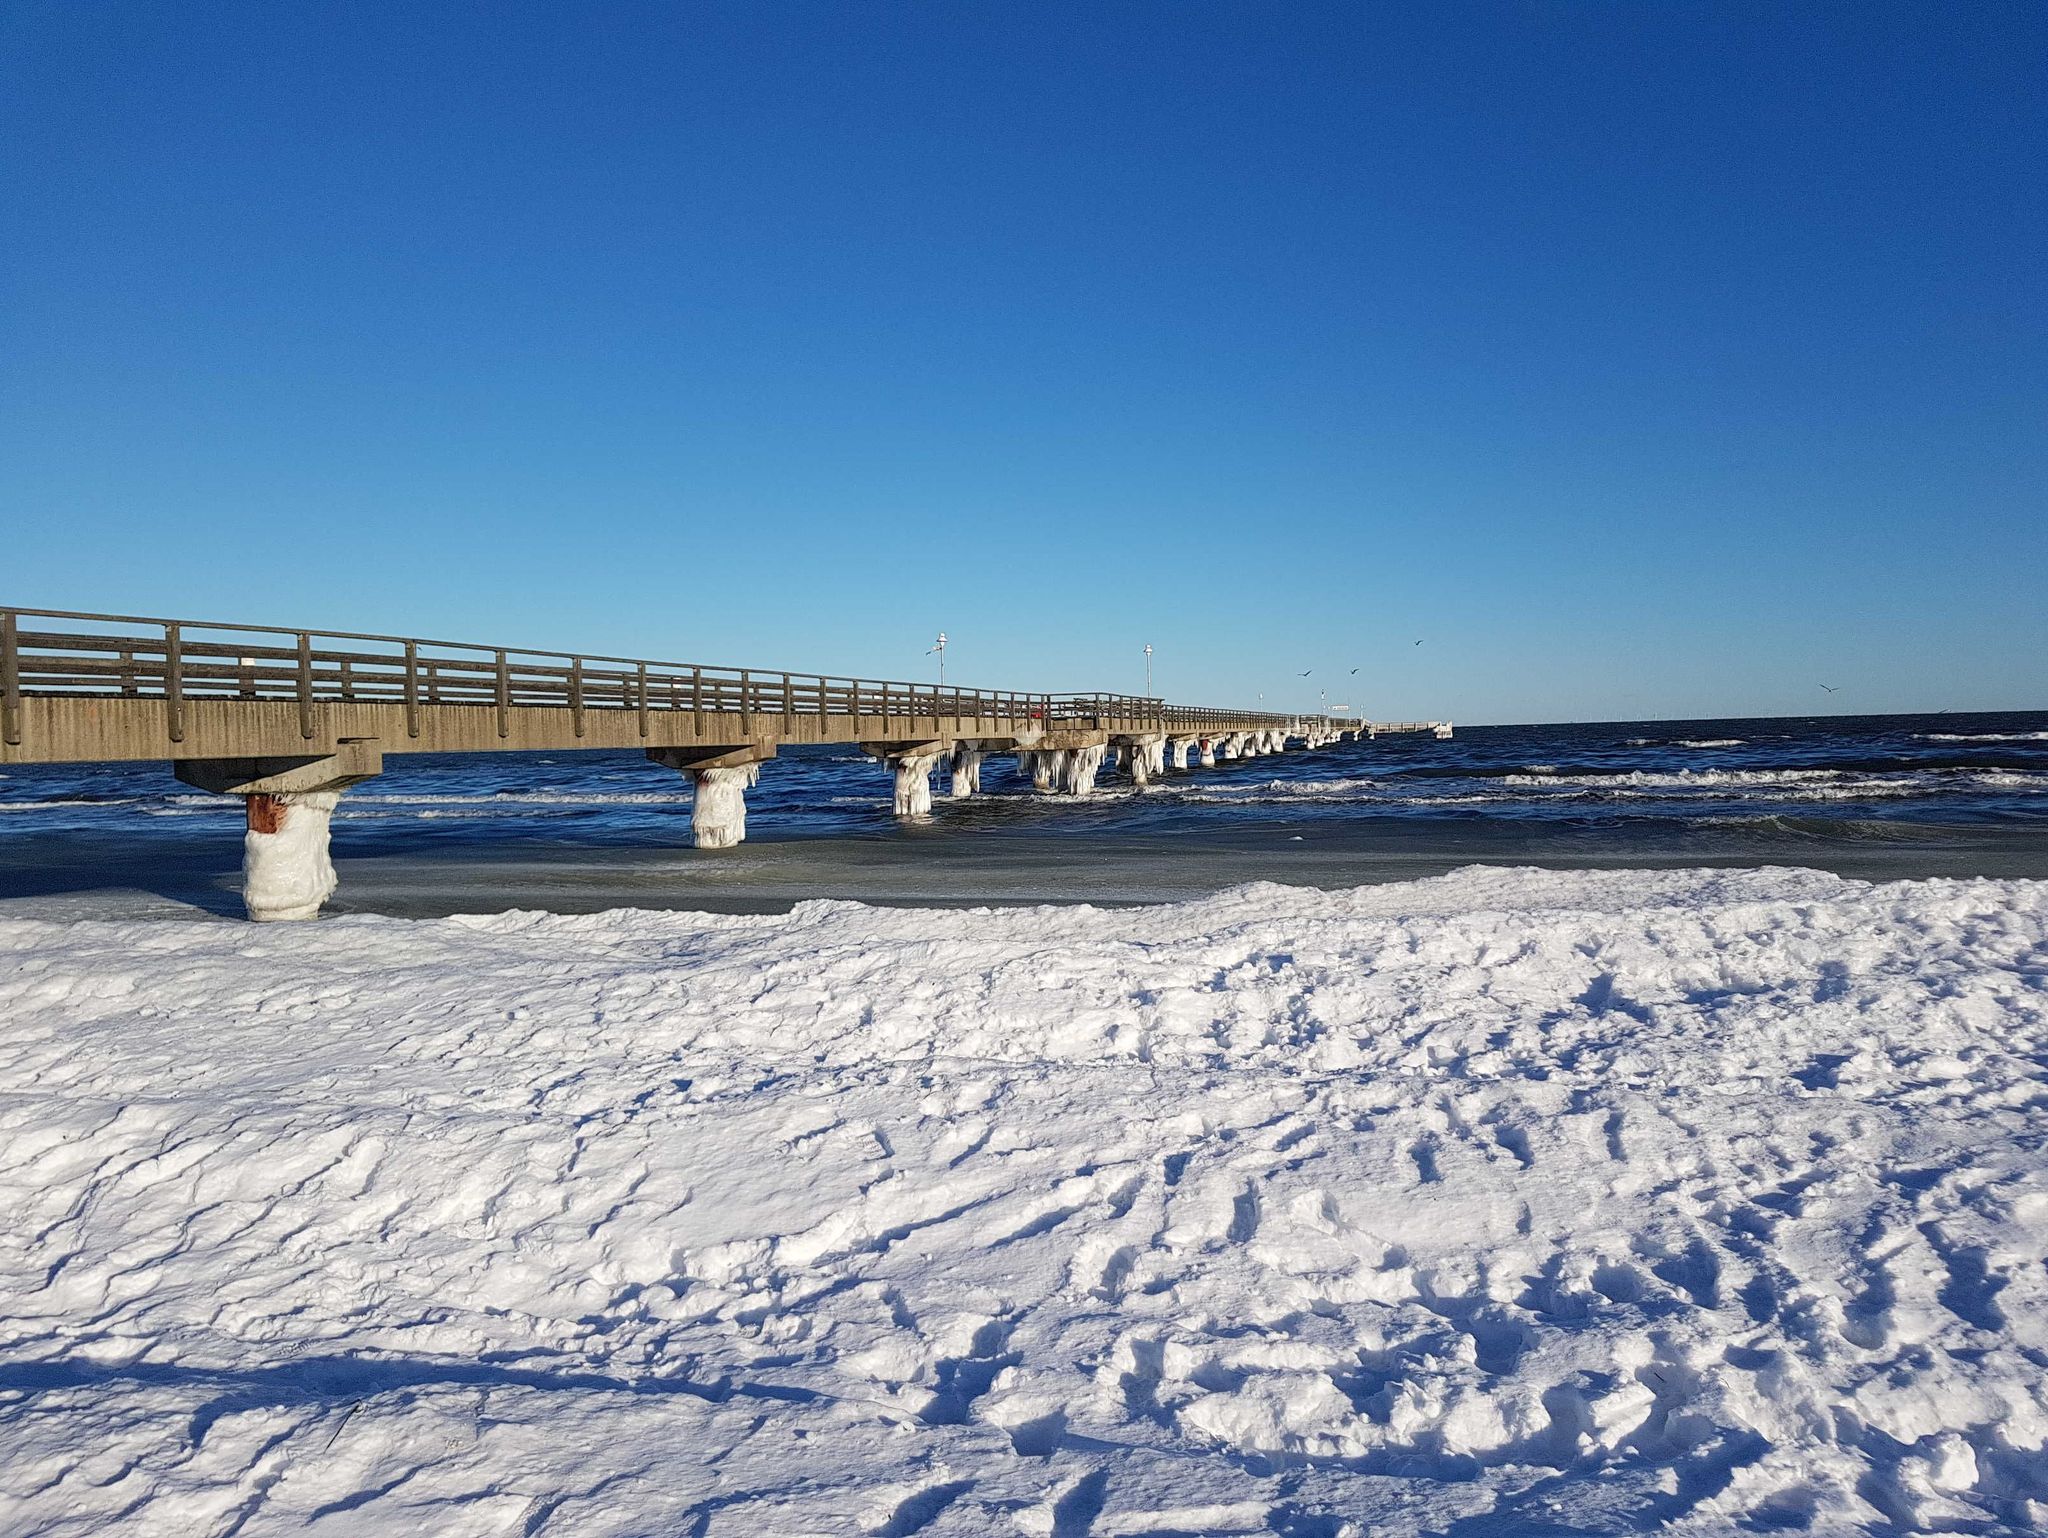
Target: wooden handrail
(78, 653)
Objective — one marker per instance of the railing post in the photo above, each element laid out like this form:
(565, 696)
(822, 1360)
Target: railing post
(504, 697)
(823, 713)
(305, 685)
(412, 689)
(746, 702)
(576, 694)
(10, 678)
(174, 682)
(697, 699)
(788, 704)
(640, 696)
(128, 688)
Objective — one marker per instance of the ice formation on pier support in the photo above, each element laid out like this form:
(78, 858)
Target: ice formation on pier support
(966, 772)
(1078, 768)
(1208, 753)
(1226, 747)
(914, 783)
(1040, 766)
(1180, 747)
(718, 810)
(1147, 758)
(286, 871)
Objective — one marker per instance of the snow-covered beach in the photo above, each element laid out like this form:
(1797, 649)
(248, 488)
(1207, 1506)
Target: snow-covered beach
(1504, 1202)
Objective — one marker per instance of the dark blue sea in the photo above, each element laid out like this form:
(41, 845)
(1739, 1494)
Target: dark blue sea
(1876, 797)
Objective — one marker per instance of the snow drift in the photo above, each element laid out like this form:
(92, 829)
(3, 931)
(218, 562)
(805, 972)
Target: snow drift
(1506, 1202)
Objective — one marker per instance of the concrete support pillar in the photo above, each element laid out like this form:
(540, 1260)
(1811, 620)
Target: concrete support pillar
(1147, 758)
(1041, 766)
(1078, 769)
(718, 808)
(914, 783)
(966, 771)
(1226, 747)
(1208, 752)
(720, 778)
(1179, 748)
(287, 872)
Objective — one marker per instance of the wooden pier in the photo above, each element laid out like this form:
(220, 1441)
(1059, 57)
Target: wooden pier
(289, 719)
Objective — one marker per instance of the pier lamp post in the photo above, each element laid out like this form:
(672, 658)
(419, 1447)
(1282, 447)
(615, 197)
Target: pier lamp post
(939, 646)
(1148, 670)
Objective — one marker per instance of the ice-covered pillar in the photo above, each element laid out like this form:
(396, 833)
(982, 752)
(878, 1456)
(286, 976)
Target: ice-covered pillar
(1041, 766)
(966, 766)
(914, 783)
(1208, 752)
(1079, 768)
(1148, 759)
(1179, 748)
(718, 808)
(720, 778)
(286, 871)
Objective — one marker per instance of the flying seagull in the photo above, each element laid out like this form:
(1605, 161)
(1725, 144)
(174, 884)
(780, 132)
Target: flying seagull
(1354, 670)
(1418, 643)
(1311, 670)
(1829, 688)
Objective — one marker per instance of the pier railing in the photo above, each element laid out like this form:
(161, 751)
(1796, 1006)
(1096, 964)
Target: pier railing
(56, 652)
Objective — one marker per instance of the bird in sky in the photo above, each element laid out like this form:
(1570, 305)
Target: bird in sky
(1828, 687)
(1354, 670)
(1418, 643)
(1311, 670)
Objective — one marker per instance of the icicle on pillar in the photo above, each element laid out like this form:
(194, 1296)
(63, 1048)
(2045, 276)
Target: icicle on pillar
(1180, 747)
(1208, 753)
(1041, 767)
(287, 868)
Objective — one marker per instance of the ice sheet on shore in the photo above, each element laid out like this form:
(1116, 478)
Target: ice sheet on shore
(1558, 1202)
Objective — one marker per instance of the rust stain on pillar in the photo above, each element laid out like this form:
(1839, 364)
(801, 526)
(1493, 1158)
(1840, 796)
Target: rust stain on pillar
(266, 813)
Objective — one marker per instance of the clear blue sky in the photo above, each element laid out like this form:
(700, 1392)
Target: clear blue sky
(1640, 360)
